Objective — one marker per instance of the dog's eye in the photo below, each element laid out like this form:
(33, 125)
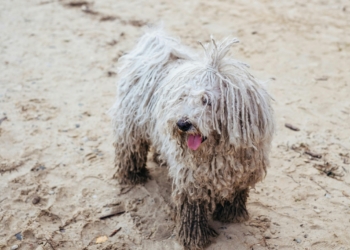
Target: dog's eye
(206, 101)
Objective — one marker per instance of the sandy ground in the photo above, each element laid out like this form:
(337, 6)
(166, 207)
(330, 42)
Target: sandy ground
(57, 80)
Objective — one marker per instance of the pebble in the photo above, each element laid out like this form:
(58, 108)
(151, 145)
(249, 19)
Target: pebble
(267, 235)
(297, 240)
(19, 236)
(51, 192)
(36, 199)
(317, 211)
(38, 168)
(14, 247)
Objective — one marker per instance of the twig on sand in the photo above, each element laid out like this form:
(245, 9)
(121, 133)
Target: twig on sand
(293, 179)
(115, 232)
(111, 215)
(311, 179)
(3, 199)
(77, 3)
(49, 241)
(3, 119)
(292, 127)
(319, 156)
(127, 190)
(322, 78)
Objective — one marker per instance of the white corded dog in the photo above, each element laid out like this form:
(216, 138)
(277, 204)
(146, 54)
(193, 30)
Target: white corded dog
(207, 118)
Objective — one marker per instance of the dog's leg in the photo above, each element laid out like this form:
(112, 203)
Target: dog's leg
(131, 163)
(193, 230)
(234, 211)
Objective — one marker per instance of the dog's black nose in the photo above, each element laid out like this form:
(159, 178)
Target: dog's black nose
(184, 125)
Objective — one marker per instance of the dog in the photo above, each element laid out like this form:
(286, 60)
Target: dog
(206, 117)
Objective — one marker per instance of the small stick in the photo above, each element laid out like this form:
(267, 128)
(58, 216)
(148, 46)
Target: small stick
(290, 126)
(126, 191)
(111, 215)
(48, 241)
(293, 179)
(311, 179)
(77, 4)
(322, 78)
(3, 119)
(3, 199)
(115, 231)
(319, 156)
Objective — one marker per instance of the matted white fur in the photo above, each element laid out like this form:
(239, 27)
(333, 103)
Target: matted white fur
(162, 82)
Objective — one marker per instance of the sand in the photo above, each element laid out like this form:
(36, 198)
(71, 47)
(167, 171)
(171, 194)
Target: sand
(57, 80)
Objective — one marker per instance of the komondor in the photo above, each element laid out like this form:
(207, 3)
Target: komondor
(206, 116)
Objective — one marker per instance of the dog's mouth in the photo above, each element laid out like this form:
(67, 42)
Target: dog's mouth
(195, 140)
(194, 137)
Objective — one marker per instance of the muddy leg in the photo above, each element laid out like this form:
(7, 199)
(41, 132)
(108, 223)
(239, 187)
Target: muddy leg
(130, 162)
(193, 230)
(234, 211)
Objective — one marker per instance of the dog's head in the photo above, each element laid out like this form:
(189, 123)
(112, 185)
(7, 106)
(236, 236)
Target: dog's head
(197, 108)
(217, 103)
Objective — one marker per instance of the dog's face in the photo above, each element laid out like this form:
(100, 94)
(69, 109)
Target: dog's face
(196, 107)
(192, 107)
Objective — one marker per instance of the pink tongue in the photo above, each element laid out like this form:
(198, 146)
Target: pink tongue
(194, 141)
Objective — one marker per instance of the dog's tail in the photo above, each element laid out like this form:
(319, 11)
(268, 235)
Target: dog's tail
(145, 64)
(142, 69)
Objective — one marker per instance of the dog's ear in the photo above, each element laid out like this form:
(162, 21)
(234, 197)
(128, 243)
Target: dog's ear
(245, 114)
(257, 118)
(244, 108)
(146, 63)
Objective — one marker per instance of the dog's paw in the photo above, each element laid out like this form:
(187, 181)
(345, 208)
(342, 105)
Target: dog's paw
(197, 238)
(231, 213)
(133, 177)
(194, 231)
